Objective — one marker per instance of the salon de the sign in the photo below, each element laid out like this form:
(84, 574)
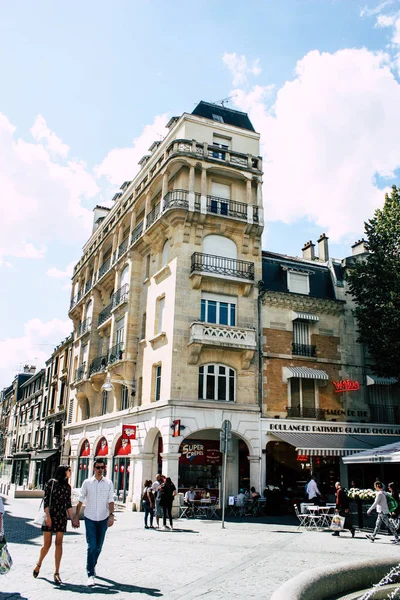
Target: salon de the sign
(313, 428)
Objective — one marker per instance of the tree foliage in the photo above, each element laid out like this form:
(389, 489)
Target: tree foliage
(375, 286)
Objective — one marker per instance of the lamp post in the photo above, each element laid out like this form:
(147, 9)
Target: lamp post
(108, 386)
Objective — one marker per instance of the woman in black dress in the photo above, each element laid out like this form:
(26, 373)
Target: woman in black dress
(167, 492)
(57, 501)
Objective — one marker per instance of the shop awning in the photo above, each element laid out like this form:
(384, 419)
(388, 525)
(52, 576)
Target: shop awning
(43, 455)
(385, 454)
(336, 444)
(301, 316)
(304, 372)
(375, 380)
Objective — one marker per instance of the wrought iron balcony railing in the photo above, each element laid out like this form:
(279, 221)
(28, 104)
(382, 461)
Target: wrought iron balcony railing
(304, 350)
(179, 198)
(297, 412)
(84, 326)
(76, 298)
(80, 372)
(88, 285)
(98, 364)
(105, 267)
(137, 232)
(382, 413)
(123, 247)
(152, 216)
(105, 314)
(115, 353)
(226, 207)
(119, 296)
(220, 265)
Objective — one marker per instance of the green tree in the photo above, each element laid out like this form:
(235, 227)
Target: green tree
(375, 286)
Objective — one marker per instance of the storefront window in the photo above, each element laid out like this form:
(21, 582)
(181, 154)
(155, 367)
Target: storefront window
(83, 464)
(200, 464)
(121, 469)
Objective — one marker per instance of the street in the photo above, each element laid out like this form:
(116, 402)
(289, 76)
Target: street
(196, 560)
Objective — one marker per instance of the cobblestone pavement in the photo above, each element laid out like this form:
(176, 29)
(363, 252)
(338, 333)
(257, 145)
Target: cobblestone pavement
(198, 559)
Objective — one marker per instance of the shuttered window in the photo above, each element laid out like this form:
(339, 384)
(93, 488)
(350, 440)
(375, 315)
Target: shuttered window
(298, 283)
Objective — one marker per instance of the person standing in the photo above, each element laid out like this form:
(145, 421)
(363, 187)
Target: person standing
(56, 504)
(1, 519)
(167, 491)
(382, 510)
(342, 507)
(148, 504)
(97, 493)
(313, 493)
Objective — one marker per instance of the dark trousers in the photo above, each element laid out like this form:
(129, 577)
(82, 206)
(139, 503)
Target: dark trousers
(95, 534)
(167, 511)
(148, 510)
(348, 523)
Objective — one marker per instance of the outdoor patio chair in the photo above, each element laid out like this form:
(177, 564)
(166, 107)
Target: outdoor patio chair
(306, 520)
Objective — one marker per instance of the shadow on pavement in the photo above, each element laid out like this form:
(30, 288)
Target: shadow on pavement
(19, 530)
(111, 589)
(82, 589)
(130, 589)
(177, 530)
(12, 596)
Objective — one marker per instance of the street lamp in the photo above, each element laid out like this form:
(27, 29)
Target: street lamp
(108, 385)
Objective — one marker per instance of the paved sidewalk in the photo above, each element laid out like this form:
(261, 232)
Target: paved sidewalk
(197, 560)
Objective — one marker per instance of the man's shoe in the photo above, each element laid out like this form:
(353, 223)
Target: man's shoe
(353, 532)
(335, 534)
(146, 526)
(91, 581)
(395, 541)
(370, 537)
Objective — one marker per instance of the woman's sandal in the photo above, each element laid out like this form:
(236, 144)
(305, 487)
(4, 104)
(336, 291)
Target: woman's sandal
(36, 570)
(57, 579)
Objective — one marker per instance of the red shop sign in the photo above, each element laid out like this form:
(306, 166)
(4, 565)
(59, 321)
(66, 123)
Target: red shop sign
(198, 452)
(345, 385)
(302, 458)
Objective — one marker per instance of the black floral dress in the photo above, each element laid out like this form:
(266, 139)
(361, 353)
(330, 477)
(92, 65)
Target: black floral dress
(60, 494)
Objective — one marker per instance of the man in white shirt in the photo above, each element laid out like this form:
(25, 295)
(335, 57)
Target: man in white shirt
(313, 492)
(188, 500)
(97, 493)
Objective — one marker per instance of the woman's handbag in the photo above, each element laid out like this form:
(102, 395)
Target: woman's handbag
(40, 518)
(337, 523)
(5, 557)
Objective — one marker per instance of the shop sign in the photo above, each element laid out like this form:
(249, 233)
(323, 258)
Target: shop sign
(334, 429)
(177, 428)
(200, 452)
(345, 385)
(303, 458)
(213, 457)
(129, 432)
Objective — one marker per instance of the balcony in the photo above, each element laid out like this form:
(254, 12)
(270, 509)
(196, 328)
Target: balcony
(76, 299)
(223, 336)
(88, 285)
(137, 232)
(116, 353)
(220, 265)
(98, 364)
(176, 199)
(105, 314)
(226, 207)
(304, 350)
(105, 267)
(119, 297)
(84, 326)
(152, 216)
(123, 247)
(297, 412)
(80, 372)
(382, 413)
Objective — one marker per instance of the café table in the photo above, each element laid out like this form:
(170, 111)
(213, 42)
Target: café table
(324, 514)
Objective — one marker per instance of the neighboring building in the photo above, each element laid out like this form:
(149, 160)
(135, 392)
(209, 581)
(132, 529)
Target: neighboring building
(317, 401)
(31, 429)
(164, 304)
(14, 460)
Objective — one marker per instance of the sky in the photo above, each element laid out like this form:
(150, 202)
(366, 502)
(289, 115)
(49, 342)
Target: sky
(86, 87)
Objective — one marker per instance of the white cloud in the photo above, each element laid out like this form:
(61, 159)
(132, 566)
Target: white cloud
(121, 164)
(240, 68)
(331, 130)
(385, 20)
(58, 274)
(41, 199)
(33, 347)
(40, 131)
(370, 12)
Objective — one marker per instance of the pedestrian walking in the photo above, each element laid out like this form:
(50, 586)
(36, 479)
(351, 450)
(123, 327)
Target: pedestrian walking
(97, 493)
(1, 518)
(156, 484)
(313, 493)
(148, 504)
(342, 507)
(56, 504)
(167, 491)
(382, 510)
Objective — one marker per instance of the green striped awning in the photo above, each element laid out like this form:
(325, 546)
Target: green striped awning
(375, 380)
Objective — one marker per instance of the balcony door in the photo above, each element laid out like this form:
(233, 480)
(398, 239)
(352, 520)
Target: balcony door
(220, 196)
(219, 245)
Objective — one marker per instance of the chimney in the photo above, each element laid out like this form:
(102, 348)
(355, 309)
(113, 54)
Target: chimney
(308, 250)
(30, 369)
(359, 247)
(323, 250)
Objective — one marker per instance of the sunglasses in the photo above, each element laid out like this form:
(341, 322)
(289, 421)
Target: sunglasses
(99, 467)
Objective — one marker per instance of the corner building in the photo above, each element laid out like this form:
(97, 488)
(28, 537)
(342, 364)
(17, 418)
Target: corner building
(164, 305)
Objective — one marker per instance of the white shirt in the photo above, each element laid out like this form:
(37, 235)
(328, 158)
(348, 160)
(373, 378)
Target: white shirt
(312, 490)
(96, 495)
(155, 486)
(380, 504)
(2, 515)
(190, 496)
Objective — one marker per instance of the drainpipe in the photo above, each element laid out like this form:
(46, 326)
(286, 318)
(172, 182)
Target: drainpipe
(261, 293)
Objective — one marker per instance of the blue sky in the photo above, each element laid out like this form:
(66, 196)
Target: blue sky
(86, 86)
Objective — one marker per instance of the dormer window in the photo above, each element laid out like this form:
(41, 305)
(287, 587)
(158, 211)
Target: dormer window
(218, 118)
(298, 283)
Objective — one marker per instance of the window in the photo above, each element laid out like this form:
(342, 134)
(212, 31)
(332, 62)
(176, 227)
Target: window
(219, 245)
(89, 311)
(220, 310)
(301, 339)
(70, 410)
(140, 391)
(124, 398)
(120, 331)
(219, 200)
(104, 402)
(143, 332)
(84, 354)
(298, 283)
(220, 142)
(303, 401)
(125, 276)
(165, 254)
(159, 315)
(218, 118)
(216, 382)
(157, 387)
(147, 271)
